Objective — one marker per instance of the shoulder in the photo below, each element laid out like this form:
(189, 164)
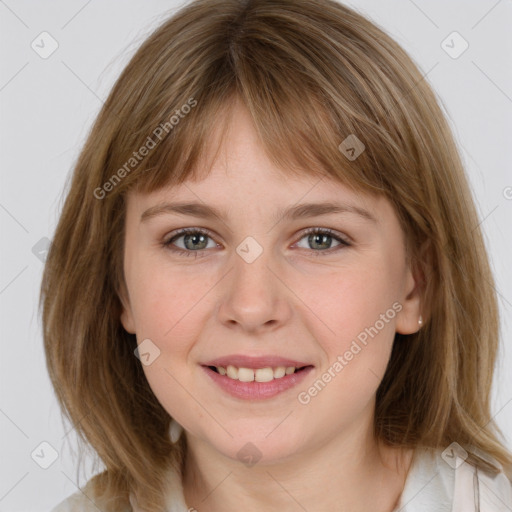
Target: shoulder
(77, 502)
(86, 499)
(494, 491)
(476, 487)
(83, 500)
(442, 481)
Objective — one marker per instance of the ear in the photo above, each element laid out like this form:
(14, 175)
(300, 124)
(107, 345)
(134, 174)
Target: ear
(407, 320)
(127, 319)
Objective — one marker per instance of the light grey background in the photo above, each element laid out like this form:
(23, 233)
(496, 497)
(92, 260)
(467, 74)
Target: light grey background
(48, 106)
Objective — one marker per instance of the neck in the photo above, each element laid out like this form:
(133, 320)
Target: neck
(353, 472)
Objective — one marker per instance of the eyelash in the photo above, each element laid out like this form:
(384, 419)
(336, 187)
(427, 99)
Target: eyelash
(317, 231)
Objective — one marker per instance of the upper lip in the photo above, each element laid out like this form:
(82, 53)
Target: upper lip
(241, 361)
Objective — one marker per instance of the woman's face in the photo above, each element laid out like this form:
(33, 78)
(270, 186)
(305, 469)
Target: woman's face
(255, 283)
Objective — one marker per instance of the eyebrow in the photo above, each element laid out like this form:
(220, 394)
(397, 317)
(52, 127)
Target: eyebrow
(301, 211)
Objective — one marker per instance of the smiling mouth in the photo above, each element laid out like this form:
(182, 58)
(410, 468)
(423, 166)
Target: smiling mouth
(257, 383)
(265, 374)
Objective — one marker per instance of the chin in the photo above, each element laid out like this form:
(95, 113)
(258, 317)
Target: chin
(251, 450)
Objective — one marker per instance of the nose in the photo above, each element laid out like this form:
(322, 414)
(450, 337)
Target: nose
(253, 299)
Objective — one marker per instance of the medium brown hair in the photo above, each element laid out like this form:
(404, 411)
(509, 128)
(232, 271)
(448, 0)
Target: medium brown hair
(311, 73)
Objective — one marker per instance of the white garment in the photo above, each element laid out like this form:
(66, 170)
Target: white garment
(432, 485)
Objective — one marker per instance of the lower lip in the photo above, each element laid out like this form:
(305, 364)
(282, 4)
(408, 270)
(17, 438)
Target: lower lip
(257, 390)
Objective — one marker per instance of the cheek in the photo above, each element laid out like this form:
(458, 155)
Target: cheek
(347, 301)
(165, 300)
(166, 306)
(354, 311)
(354, 323)
(171, 308)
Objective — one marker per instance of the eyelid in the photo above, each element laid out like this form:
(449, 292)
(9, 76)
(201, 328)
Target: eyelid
(335, 234)
(344, 240)
(193, 229)
(331, 232)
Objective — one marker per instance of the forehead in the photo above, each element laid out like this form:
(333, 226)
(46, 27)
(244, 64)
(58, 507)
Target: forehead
(235, 169)
(236, 180)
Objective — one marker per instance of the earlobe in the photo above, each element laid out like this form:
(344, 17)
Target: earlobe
(127, 320)
(410, 319)
(126, 317)
(414, 310)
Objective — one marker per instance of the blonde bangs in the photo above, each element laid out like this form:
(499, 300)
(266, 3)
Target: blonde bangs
(304, 104)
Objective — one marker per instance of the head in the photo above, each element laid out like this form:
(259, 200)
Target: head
(252, 112)
(258, 284)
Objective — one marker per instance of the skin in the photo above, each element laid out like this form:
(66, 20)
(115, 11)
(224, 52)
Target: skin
(291, 301)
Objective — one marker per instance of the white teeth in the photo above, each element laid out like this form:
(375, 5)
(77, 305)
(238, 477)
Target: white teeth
(232, 372)
(280, 371)
(259, 375)
(264, 375)
(245, 375)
